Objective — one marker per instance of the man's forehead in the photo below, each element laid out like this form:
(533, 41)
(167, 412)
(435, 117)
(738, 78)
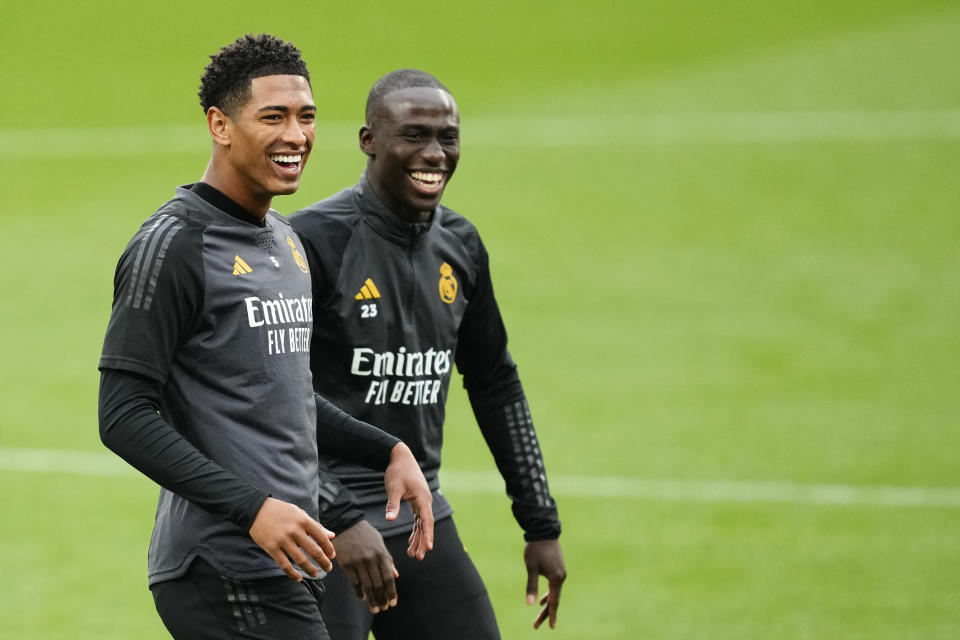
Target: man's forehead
(416, 99)
(289, 87)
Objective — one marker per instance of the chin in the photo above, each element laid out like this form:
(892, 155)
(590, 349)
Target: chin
(287, 188)
(427, 205)
(423, 202)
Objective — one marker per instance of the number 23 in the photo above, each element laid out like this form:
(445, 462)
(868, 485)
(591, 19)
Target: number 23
(368, 310)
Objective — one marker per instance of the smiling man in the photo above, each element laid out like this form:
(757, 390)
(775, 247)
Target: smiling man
(205, 378)
(401, 293)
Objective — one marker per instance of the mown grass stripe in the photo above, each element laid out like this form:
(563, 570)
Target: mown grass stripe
(521, 131)
(609, 487)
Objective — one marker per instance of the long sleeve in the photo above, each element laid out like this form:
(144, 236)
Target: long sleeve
(338, 506)
(500, 407)
(132, 428)
(343, 436)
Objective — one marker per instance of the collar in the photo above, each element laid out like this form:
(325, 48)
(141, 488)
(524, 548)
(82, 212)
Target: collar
(386, 223)
(223, 202)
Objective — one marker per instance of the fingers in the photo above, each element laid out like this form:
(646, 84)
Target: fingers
(421, 539)
(382, 594)
(390, 588)
(368, 565)
(320, 549)
(300, 559)
(300, 548)
(415, 539)
(427, 531)
(553, 603)
(284, 563)
(320, 541)
(374, 588)
(356, 582)
(550, 603)
(540, 618)
(404, 480)
(291, 537)
(545, 558)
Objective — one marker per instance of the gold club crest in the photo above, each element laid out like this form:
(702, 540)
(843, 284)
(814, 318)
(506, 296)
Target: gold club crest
(448, 284)
(297, 256)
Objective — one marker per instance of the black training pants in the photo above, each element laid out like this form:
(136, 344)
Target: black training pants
(203, 605)
(441, 597)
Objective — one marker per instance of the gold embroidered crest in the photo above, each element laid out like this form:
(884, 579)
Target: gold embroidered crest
(297, 256)
(448, 284)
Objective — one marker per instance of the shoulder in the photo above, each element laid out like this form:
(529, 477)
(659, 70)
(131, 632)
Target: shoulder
(188, 209)
(451, 223)
(337, 211)
(326, 226)
(279, 219)
(455, 222)
(168, 224)
(170, 239)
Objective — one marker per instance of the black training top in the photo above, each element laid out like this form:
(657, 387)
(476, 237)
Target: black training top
(206, 385)
(396, 305)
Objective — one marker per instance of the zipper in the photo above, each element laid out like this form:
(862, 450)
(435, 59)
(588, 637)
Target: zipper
(412, 295)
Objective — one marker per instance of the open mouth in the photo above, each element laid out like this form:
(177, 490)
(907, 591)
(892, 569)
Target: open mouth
(289, 161)
(429, 182)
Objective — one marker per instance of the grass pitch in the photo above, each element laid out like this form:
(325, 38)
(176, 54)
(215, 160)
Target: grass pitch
(724, 239)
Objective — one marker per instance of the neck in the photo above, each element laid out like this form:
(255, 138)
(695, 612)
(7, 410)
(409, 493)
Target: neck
(407, 215)
(414, 216)
(232, 186)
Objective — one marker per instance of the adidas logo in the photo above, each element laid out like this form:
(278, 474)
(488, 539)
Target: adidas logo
(367, 291)
(240, 267)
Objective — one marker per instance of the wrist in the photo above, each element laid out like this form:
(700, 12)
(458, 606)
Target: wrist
(399, 451)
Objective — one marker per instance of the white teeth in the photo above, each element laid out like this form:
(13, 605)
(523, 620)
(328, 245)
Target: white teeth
(423, 176)
(280, 157)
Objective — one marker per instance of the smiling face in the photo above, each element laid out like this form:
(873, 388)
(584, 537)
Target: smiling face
(261, 151)
(413, 145)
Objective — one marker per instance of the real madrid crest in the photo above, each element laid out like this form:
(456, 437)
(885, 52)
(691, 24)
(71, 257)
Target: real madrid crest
(297, 256)
(448, 284)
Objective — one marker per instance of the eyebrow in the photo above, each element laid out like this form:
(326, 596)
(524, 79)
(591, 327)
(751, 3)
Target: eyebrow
(285, 109)
(416, 126)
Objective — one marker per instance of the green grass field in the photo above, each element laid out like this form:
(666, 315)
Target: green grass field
(725, 238)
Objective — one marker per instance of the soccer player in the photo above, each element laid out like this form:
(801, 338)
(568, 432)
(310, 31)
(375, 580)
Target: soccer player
(401, 293)
(205, 378)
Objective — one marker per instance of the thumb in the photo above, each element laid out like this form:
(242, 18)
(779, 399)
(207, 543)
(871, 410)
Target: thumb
(393, 504)
(533, 579)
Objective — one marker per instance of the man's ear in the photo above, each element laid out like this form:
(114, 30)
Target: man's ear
(366, 141)
(219, 124)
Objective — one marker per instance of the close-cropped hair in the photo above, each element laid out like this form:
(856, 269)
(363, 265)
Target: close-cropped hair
(399, 79)
(226, 80)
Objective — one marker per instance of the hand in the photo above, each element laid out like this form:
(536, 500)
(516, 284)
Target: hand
(368, 565)
(545, 558)
(286, 532)
(404, 481)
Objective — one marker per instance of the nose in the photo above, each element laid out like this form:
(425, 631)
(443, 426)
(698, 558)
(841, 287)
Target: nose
(433, 152)
(295, 133)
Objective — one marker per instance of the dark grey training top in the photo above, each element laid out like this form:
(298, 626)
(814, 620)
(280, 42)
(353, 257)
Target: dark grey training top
(397, 306)
(219, 312)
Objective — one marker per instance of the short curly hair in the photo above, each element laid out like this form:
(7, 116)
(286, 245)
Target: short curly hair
(226, 80)
(399, 79)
